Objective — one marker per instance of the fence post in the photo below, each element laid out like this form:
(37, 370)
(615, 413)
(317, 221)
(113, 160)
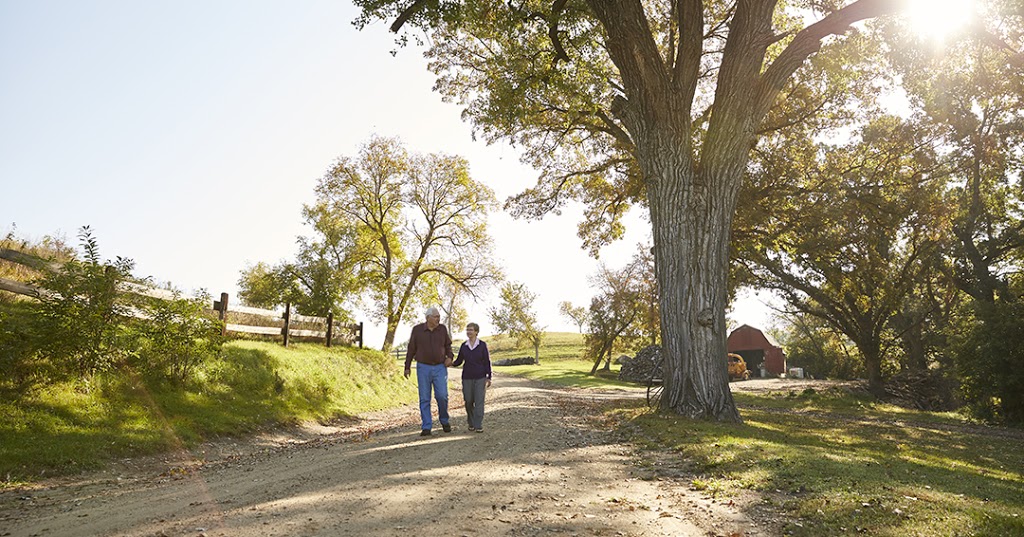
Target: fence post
(360, 335)
(330, 328)
(287, 322)
(223, 314)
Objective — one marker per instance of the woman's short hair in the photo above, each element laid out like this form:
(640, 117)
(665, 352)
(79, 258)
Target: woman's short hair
(474, 326)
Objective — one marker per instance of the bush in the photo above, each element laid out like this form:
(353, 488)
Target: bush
(988, 360)
(21, 367)
(179, 336)
(82, 312)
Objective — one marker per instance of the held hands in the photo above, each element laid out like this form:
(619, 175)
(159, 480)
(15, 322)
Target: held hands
(488, 383)
(448, 362)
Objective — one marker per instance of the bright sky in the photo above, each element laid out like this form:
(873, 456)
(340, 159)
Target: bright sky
(189, 134)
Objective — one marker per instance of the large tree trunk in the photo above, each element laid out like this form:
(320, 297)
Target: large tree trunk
(691, 216)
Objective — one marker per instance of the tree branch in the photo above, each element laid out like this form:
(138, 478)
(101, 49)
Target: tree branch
(406, 14)
(808, 41)
(556, 13)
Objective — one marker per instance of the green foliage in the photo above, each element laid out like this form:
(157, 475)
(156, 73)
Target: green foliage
(21, 366)
(264, 286)
(576, 314)
(88, 320)
(83, 312)
(624, 314)
(181, 336)
(849, 232)
(989, 353)
(812, 344)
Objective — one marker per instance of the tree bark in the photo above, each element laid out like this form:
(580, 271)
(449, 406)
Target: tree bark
(691, 217)
(872, 352)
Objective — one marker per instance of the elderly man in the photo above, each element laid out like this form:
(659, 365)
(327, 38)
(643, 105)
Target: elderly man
(431, 347)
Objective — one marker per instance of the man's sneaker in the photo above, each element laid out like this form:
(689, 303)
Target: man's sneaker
(447, 427)
(425, 432)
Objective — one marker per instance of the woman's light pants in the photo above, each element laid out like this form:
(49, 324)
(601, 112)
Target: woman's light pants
(474, 391)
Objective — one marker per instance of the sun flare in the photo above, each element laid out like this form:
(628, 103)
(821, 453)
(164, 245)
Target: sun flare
(939, 19)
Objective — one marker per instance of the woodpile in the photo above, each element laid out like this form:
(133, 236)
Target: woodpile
(644, 367)
(527, 360)
(923, 390)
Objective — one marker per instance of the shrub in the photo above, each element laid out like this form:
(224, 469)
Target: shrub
(988, 358)
(82, 312)
(180, 336)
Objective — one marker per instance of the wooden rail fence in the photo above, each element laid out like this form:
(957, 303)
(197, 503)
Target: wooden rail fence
(329, 334)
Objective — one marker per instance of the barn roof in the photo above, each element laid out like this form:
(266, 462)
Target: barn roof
(747, 337)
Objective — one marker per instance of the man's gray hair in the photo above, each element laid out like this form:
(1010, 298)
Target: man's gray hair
(431, 311)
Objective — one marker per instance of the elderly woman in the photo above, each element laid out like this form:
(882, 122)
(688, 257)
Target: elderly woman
(431, 347)
(476, 376)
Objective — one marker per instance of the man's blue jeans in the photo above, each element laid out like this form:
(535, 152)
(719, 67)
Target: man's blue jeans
(436, 377)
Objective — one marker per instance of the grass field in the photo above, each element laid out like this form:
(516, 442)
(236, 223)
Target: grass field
(254, 385)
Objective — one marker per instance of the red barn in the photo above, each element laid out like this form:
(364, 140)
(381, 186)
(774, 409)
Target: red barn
(756, 348)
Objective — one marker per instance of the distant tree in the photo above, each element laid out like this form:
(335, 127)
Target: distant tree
(577, 314)
(264, 286)
(816, 346)
(515, 316)
(613, 313)
(404, 217)
(625, 310)
(449, 298)
(322, 279)
(648, 320)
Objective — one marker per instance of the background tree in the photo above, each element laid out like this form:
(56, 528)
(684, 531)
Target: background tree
(576, 314)
(863, 231)
(624, 313)
(322, 279)
(973, 95)
(621, 102)
(515, 316)
(613, 314)
(450, 300)
(816, 346)
(410, 216)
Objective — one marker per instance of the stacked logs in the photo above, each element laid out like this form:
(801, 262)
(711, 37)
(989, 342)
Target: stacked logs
(644, 367)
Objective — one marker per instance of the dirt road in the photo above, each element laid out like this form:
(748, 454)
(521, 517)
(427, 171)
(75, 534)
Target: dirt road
(538, 469)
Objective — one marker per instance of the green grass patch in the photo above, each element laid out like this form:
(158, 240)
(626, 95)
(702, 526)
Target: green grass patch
(66, 428)
(842, 401)
(561, 362)
(554, 346)
(840, 465)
